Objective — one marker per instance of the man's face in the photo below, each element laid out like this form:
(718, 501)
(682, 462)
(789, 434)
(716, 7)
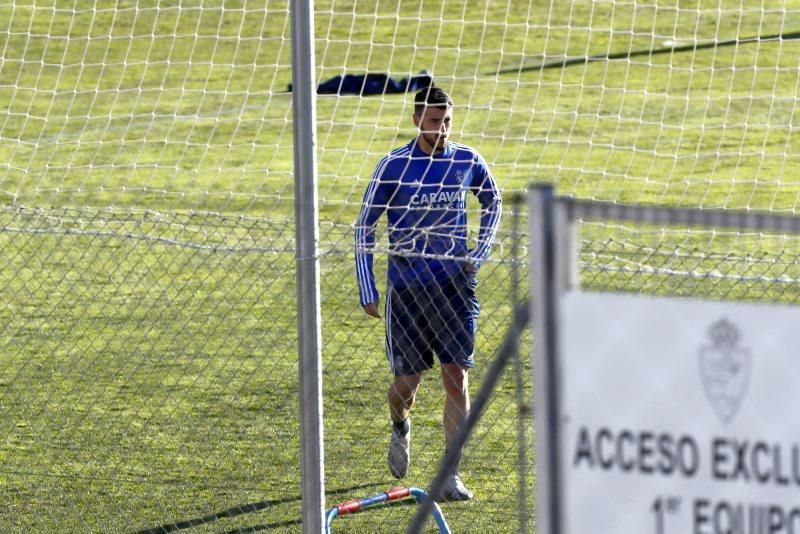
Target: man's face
(434, 126)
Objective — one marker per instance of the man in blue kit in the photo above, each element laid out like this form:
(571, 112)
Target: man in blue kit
(431, 306)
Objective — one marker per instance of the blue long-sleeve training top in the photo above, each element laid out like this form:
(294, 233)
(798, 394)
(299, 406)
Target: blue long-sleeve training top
(425, 199)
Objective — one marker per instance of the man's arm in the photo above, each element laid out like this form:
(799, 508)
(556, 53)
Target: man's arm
(491, 208)
(372, 207)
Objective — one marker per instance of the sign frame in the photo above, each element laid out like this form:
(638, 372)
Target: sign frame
(553, 267)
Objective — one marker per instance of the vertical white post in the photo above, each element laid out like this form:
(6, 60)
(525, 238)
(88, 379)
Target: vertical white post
(307, 261)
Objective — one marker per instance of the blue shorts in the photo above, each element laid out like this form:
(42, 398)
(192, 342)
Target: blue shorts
(439, 318)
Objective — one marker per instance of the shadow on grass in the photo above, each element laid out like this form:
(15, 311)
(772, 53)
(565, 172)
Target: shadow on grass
(691, 47)
(271, 526)
(240, 510)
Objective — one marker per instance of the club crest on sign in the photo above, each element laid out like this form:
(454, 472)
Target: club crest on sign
(725, 369)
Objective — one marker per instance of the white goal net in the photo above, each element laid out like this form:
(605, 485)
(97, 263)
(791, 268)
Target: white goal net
(148, 353)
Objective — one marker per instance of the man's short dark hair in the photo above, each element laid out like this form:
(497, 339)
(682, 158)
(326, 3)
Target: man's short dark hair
(431, 97)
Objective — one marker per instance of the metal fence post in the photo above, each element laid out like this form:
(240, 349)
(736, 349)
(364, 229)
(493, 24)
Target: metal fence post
(307, 259)
(543, 302)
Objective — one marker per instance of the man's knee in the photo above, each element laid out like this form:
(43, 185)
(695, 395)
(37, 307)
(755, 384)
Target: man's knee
(405, 387)
(455, 379)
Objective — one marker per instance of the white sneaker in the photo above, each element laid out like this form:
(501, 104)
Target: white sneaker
(399, 453)
(454, 490)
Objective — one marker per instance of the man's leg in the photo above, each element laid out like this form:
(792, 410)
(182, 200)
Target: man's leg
(456, 404)
(401, 397)
(456, 410)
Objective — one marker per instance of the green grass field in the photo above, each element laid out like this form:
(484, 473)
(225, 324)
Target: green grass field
(148, 361)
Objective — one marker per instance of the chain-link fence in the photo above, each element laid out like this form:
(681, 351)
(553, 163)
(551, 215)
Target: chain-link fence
(146, 361)
(357, 375)
(150, 379)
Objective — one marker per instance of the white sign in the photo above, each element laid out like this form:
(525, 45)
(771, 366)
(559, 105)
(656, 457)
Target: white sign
(678, 416)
